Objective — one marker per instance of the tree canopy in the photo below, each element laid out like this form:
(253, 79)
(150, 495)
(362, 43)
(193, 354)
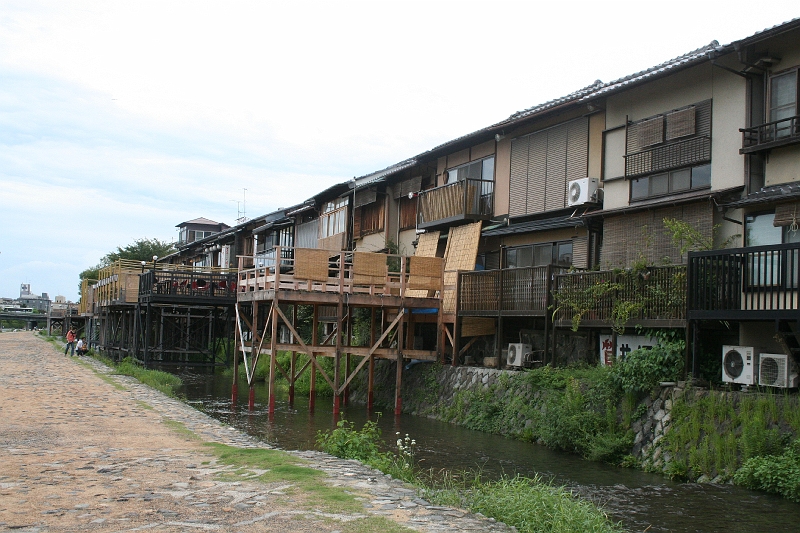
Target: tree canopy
(139, 250)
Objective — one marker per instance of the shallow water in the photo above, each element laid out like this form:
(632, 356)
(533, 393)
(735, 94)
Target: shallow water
(639, 500)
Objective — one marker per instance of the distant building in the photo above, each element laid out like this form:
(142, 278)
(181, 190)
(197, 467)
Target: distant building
(34, 301)
(199, 228)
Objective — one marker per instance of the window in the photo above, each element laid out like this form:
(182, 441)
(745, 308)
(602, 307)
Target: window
(770, 267)
(556, 253)
(543, 162)
(189, 235)
(476, 170)
(369, 219)
(783, 101)
(333, 219)
(673, 182)
(408, 213)
(667, 142)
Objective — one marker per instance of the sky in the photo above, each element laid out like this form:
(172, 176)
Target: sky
(120, 120)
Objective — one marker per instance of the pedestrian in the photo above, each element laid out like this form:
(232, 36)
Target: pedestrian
(80, 348)
(71, 336)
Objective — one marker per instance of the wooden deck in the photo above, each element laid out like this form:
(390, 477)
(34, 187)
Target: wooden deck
(389, 288)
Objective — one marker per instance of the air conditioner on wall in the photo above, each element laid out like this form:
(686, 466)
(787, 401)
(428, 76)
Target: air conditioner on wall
(738, 365)
(518, 353)
(774, 370)
(582, 191)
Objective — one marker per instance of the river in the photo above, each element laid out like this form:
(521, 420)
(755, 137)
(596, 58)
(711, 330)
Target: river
(641, 501)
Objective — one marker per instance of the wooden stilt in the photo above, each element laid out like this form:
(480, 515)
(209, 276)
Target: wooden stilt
(398, 401)
(236, 340)
(337, 359)
(273, 353)
(371, 378)
(371, 383)
(312, 394)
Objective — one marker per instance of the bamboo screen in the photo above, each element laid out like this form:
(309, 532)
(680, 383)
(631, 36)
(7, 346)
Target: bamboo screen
(460, 254)
(426, 247)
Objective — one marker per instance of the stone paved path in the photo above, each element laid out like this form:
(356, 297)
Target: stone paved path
(84, 450)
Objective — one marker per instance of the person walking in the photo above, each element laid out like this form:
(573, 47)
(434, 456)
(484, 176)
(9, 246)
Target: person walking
(71, 336)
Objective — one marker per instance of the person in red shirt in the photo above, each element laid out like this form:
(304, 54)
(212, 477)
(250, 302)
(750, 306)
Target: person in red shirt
(71, 337)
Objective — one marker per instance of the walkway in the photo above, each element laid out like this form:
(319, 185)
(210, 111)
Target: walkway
(82, 450)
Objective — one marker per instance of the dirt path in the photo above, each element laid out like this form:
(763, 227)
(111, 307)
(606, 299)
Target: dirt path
(81, 450)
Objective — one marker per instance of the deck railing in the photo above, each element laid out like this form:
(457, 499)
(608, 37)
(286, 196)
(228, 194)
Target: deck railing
(464, 199)
(751, 281)
(343, 273)
(617, 298)
(771, 134)
(523, 291)
(187, 284)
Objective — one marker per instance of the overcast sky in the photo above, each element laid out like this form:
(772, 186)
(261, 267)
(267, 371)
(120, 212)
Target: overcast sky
(119, 120)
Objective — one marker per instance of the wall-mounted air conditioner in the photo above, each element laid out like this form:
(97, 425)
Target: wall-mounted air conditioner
(738, 365)
(518, 353)
(582, 191)
(774, 370)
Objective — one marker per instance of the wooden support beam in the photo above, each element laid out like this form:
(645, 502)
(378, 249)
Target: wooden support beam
(466, 347)
(305, 348)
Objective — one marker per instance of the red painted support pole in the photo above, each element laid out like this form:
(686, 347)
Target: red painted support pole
(336, 409)
(251, 403)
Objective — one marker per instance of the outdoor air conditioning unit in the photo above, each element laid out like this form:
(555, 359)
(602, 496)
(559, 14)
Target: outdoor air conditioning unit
(582, 191)
(738, 365)
(774, 370)
(518, 353)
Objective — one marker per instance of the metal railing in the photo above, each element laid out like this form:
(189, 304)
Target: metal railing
(753, 280)
(668, 156)
(771, 134)
(191, 284)
(468, 198)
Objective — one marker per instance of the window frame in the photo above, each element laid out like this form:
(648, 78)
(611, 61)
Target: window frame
(477, 162)
(670, 190)
(531, 249)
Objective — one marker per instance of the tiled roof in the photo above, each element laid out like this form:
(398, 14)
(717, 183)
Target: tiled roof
(784, 191)
(200, 220)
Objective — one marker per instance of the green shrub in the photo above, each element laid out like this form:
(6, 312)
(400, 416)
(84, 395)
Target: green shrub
(641, 370)
(161, 381)
(779, 474)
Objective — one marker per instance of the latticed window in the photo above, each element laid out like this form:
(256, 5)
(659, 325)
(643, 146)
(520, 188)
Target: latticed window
(669, 153)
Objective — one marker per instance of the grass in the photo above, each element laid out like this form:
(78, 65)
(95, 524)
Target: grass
(531, 505)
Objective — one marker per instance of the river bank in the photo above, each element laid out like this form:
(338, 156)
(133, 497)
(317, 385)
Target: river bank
(686, 433)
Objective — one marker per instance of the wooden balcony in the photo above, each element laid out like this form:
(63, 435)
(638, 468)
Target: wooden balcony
(771, 135)
(366, 279)
(469, 199)
(654, 297)
(203, 287)
(754, 283)
(506, 292)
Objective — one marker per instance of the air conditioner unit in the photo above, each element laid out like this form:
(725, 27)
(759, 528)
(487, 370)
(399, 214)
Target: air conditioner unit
(738, 365)
(774, 370)
(518, 353)
(582, 191)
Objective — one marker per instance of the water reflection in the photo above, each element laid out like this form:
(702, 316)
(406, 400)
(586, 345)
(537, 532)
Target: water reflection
(641, 501)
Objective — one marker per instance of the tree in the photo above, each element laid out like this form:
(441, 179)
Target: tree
(139, 250)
